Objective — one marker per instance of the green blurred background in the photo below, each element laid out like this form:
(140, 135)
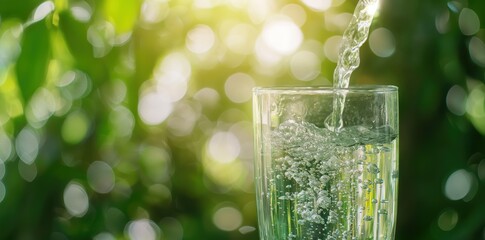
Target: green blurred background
(131, 119)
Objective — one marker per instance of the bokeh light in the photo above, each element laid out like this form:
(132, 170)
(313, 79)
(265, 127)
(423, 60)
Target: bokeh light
(101, 35)
(305, 65)
(27, 145)
(154, 107)
(154, 11)
(101, 177)
(227, 218)
(238, 87)
(104, 236)
(172, 228)
(282, 35)
(475, 107)
(200, 39)
(2, 170)
(142, 229)
(469, 21)
(40, 108)
(183, 119)
(456, 100)
(75, 128)
(28, 172)
(481, 170)
(81, 11)
(458, 185)
(74, 85)
(382, 42)
(246, 229)
(3, 191)
(240, 38)
(448, 220)
(76, 199)
(318, 5)
(476, 48)
(442, 21)
(156, 164)
(296, 12)
(208, 97)
(42, 11)
(224, 147)
(6, 147)
(331, 48)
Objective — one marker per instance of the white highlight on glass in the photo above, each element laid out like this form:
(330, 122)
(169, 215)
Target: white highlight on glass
(224, 147)
(76, 199)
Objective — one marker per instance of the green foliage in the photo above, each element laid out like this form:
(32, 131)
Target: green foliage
(112, 112)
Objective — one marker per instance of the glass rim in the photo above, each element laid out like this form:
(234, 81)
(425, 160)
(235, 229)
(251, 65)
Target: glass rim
(325, 89)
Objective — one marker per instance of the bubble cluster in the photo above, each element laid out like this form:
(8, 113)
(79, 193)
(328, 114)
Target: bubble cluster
(328, 185)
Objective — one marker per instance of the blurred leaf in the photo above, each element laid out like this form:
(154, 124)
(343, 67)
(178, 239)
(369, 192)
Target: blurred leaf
(122, 14)
(75, 34)
(14, 9)
(34, 58)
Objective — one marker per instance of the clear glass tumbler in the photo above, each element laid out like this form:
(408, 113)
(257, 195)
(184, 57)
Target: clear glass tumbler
(317, 182)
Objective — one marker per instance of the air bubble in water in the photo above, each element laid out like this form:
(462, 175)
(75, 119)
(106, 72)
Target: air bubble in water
(372, 168)
(382, 211)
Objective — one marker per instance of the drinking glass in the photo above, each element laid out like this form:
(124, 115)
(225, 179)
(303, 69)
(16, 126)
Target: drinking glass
(315, 181)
